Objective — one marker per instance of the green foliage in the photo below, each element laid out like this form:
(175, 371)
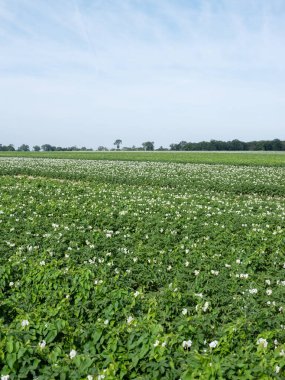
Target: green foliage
(224, 158)
(128, 270)
(148, 145)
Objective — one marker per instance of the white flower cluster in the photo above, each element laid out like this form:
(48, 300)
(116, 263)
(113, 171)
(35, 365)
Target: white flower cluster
(130, 319)
(25, 323)
(205, 306)
(262, 342)
(253, 291)
(213, 344)
(186, 344)
(42, 344)
(157, 343)
(242, 275)
(72, 354)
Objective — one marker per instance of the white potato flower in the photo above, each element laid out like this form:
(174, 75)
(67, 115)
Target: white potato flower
(42, 344)
(213, 344)
(72, 354)
(25, 322)
(206, 306)
(130, 320)
(262, 342)
(187, 344)
(252, 291)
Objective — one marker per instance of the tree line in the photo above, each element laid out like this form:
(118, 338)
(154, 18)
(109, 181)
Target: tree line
(212, 145)
(44, 148)
(236, 145)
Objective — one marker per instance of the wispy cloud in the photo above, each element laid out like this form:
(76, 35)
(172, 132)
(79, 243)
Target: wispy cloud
(197, 69)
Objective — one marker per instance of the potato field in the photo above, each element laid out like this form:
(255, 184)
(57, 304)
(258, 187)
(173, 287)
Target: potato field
(141, 270)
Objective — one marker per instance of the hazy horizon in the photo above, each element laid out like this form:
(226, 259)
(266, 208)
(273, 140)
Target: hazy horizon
(87, 73)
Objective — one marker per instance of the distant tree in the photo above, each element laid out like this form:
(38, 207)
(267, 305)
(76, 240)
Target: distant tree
(259, 145)
(267, 145)
(48, 147)
(24, 148)
(101, 148)
(174, 146)
(148, 145)
(118, 142)
(182, 145)
(236, 145)
(36, 148)
(45, 147)
(11, 148)
(276, 144)
(7, 148)
(161, 148)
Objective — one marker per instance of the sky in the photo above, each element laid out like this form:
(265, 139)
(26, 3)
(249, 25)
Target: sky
(88, 72)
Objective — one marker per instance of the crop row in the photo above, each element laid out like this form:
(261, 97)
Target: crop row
(186, 177)
(254, 158)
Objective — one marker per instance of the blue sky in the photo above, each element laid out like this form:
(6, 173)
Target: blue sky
(83, 72)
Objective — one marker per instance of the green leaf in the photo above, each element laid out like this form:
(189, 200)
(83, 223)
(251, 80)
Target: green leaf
(96, 336)
(11, 358)
(21, 352)
(51, 336)
(9, 345)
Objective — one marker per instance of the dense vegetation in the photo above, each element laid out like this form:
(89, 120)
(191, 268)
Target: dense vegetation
(141, 270)
(212, 145)
(242, 158)
(234, 145)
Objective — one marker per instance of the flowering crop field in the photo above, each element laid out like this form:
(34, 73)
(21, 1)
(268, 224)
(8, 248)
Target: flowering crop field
(268, 158)
(141, 270)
